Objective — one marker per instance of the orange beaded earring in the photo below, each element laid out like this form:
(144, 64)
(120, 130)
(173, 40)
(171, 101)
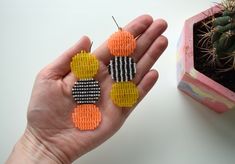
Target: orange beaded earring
(122, 68)
(86, 91)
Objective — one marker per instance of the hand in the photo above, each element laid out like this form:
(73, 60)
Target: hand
(50, 133)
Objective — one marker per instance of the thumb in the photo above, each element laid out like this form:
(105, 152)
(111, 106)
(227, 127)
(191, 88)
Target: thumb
(61, 66)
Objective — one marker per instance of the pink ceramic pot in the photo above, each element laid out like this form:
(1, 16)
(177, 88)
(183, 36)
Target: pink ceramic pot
(193, 83)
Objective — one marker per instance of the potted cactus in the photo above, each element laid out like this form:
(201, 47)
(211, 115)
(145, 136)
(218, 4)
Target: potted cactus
(206, 57)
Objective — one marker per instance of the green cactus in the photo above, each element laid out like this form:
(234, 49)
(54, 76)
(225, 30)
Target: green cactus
(218, 41)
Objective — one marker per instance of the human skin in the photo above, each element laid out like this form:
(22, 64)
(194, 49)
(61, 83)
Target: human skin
(50, 136)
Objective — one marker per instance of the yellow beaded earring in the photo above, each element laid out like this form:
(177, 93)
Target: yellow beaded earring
(86, 91)
(122, 68)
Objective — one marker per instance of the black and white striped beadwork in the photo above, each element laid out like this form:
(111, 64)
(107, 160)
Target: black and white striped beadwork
(86, 91)
(122, 68)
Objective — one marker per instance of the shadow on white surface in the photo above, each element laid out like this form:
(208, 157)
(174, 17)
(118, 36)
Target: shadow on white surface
(225, 122)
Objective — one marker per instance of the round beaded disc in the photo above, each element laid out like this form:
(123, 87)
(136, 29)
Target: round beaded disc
(86, 117)
(84, 65)
(122, 68)
(121, 43)
(86, 91)
(124, 94)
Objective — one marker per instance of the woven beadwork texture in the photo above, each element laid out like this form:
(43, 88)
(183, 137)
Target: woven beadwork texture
(122, 68)
(124, 94)
(86, 91)
(86, 117)
(84, 65)
(121, 43)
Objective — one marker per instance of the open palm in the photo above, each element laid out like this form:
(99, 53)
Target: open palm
(52, 104)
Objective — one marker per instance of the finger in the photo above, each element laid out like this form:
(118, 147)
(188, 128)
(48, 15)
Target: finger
(144, 87)
(150, 57)
(61, 66)
(135, 27)
(147, 83)
(148, 37)
(69, 79)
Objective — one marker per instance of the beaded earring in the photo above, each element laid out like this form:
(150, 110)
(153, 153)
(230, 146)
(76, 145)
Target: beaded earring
(122, 68)
(86, 91)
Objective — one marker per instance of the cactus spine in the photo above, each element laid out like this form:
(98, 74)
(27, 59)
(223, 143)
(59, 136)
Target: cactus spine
(218, 40)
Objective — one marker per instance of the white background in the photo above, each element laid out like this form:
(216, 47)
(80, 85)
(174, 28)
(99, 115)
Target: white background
(166, 128)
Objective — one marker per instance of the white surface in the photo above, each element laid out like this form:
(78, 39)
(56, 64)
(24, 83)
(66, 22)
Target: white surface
(166, 128)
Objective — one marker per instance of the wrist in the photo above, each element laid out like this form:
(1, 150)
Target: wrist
(30, 150)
